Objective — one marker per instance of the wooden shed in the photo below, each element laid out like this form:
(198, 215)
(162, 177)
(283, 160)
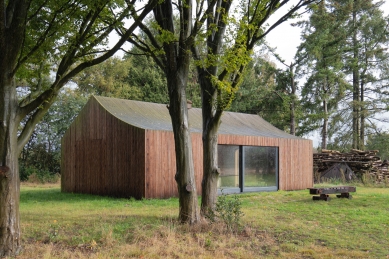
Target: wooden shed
(125, 148)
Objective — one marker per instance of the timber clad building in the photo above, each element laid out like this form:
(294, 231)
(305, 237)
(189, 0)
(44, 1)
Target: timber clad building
(125, 148)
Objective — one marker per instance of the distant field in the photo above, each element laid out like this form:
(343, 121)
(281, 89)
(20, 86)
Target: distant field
(276, 225)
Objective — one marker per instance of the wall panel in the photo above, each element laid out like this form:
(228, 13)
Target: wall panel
(102, 155)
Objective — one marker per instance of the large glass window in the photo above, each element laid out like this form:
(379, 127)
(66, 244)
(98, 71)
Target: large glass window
(259, 166)
(228, 161)
(247, 168)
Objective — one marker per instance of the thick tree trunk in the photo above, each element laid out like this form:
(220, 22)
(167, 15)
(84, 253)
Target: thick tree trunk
(10, 242)
(211, 122)
(176, 67)
(189, 211)
(210, 164)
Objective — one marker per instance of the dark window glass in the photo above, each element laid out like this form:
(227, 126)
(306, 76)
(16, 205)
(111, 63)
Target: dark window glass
(259, 166)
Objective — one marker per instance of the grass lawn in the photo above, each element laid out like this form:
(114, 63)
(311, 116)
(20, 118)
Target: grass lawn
(275, 225)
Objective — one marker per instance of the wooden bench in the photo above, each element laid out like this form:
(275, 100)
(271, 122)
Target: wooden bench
(324, 192)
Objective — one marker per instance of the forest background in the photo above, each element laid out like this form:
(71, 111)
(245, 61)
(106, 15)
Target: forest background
(287, 83)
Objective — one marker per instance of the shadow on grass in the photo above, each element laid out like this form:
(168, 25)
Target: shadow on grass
(55, 195)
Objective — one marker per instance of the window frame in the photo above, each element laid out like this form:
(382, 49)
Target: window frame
(242, 188)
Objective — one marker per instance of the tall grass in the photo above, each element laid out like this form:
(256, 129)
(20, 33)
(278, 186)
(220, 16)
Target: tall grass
(275, 225)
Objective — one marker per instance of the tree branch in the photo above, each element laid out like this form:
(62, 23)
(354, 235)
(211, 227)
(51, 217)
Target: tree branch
(62, 80)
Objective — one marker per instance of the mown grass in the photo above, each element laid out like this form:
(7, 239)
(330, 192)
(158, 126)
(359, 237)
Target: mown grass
(275, 225)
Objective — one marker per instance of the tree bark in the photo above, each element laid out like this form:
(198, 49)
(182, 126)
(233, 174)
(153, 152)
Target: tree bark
(12, 17)
(325, 126)
(292, 102)
(211, 122)
(188, 212)
(362, 120)
(10, 242)
(176, 66)
(356, 98)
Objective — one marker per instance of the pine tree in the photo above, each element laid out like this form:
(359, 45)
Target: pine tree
(321, 51)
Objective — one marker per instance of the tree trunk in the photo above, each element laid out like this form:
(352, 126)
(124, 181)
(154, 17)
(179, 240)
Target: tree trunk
(292, 103)
(10, 242)
(189, 212)
(325, 126)
(211, 171)
(211, 122)
(176, 67)
(362, 121)
(355, 104)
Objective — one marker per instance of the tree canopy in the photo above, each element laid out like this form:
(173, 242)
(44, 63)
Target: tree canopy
(43, 45)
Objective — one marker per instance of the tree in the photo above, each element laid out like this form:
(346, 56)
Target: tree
(42, 153)
(222, 55)
(324, 39)
(366, 62)
(108, 79)
(135, 77)
(270, 93)
(380, 142)
(258, 84)
(353, 37)
(169, 40)
(36, 37)
(286, 82)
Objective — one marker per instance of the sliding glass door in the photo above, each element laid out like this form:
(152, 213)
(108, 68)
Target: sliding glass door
(247, 168)
(228, 161)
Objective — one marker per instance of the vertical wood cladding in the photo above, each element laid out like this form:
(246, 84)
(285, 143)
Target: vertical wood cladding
(105, 156)
(161, 163)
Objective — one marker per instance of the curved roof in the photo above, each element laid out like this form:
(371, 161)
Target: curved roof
(156, 116)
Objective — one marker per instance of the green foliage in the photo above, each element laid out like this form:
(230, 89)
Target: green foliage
(32, 174)
(345, 62)
(321, 52)
(145, 75)
(379, 141)
(135, 77)
(229, 210)
(267, 91)
(109, 79)
(42, 154)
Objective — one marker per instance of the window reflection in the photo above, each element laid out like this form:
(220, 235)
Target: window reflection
(228, 161)
(258, 169)
(259, 166)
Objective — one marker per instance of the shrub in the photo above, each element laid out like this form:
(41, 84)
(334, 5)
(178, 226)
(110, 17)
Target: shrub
(34, 175)
(26, 171)
(229, 210)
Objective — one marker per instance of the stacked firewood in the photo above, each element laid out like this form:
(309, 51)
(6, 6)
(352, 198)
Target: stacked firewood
(361, 162)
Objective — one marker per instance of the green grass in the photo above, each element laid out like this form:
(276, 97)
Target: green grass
(276, 225)
(251, 180)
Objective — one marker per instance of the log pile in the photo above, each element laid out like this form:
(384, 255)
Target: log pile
(361, 162)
